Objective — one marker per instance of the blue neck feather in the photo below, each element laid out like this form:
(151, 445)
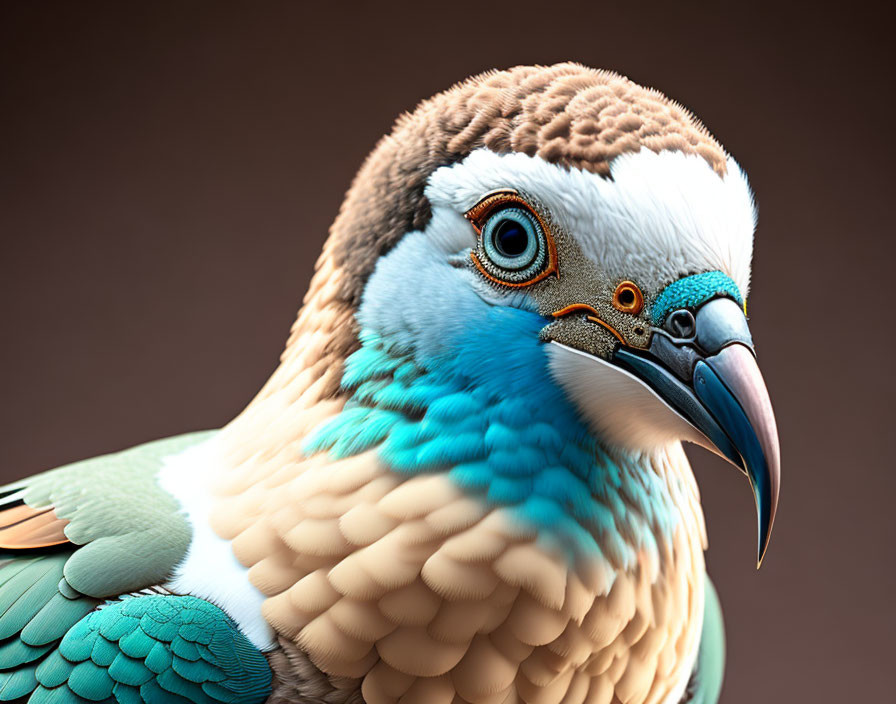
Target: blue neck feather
(489, 414)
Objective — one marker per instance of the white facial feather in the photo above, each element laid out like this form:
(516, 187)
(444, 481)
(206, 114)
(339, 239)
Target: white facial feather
(660, 217)
(417, 298)
(620, 408)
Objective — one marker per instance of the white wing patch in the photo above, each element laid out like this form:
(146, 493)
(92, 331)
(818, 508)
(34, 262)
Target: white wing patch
(210, 570)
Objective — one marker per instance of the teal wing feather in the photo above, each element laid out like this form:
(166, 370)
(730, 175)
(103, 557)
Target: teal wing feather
(155, 650)
(706, 683)
(37, 608)
(130, 530)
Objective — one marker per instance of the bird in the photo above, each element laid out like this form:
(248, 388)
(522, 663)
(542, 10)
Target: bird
(465, 481)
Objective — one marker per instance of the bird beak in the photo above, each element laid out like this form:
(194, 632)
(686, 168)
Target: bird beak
(704, 367)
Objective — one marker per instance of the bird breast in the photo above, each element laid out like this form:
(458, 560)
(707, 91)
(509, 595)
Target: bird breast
(421, 593)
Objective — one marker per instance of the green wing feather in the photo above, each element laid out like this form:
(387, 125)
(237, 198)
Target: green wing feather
(154, 649)
(131, 530)
(57, 646)
(706, 683)
(37, 608)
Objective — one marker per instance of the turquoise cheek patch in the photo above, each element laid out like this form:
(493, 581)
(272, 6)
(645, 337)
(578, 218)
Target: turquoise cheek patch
(693, 291)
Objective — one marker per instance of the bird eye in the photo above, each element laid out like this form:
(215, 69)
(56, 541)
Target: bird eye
(510, 239)
(628, 298)
(515, 247)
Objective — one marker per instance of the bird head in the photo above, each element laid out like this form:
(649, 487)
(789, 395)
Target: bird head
(571, 214)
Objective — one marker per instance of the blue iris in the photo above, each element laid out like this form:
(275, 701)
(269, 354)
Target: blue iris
(511, 239)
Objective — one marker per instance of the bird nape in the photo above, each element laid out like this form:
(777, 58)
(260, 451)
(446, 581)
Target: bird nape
(465, 481)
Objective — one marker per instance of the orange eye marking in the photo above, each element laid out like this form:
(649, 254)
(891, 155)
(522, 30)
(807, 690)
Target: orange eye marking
(574, 308)
(479, 213)
(627, 298)
(592, 316)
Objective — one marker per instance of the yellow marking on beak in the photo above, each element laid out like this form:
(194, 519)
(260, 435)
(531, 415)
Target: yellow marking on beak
(593, 317)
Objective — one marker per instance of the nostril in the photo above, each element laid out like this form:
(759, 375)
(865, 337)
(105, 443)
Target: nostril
(682, 324)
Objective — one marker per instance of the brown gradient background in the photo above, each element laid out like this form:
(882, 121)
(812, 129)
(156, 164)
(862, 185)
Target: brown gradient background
(168, 172)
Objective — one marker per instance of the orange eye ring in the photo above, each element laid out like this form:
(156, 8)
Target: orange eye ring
(479, 214)
(627, 298)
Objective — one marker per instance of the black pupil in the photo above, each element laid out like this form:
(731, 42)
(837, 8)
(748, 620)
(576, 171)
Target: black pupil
(626, 297)
(511, 238)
